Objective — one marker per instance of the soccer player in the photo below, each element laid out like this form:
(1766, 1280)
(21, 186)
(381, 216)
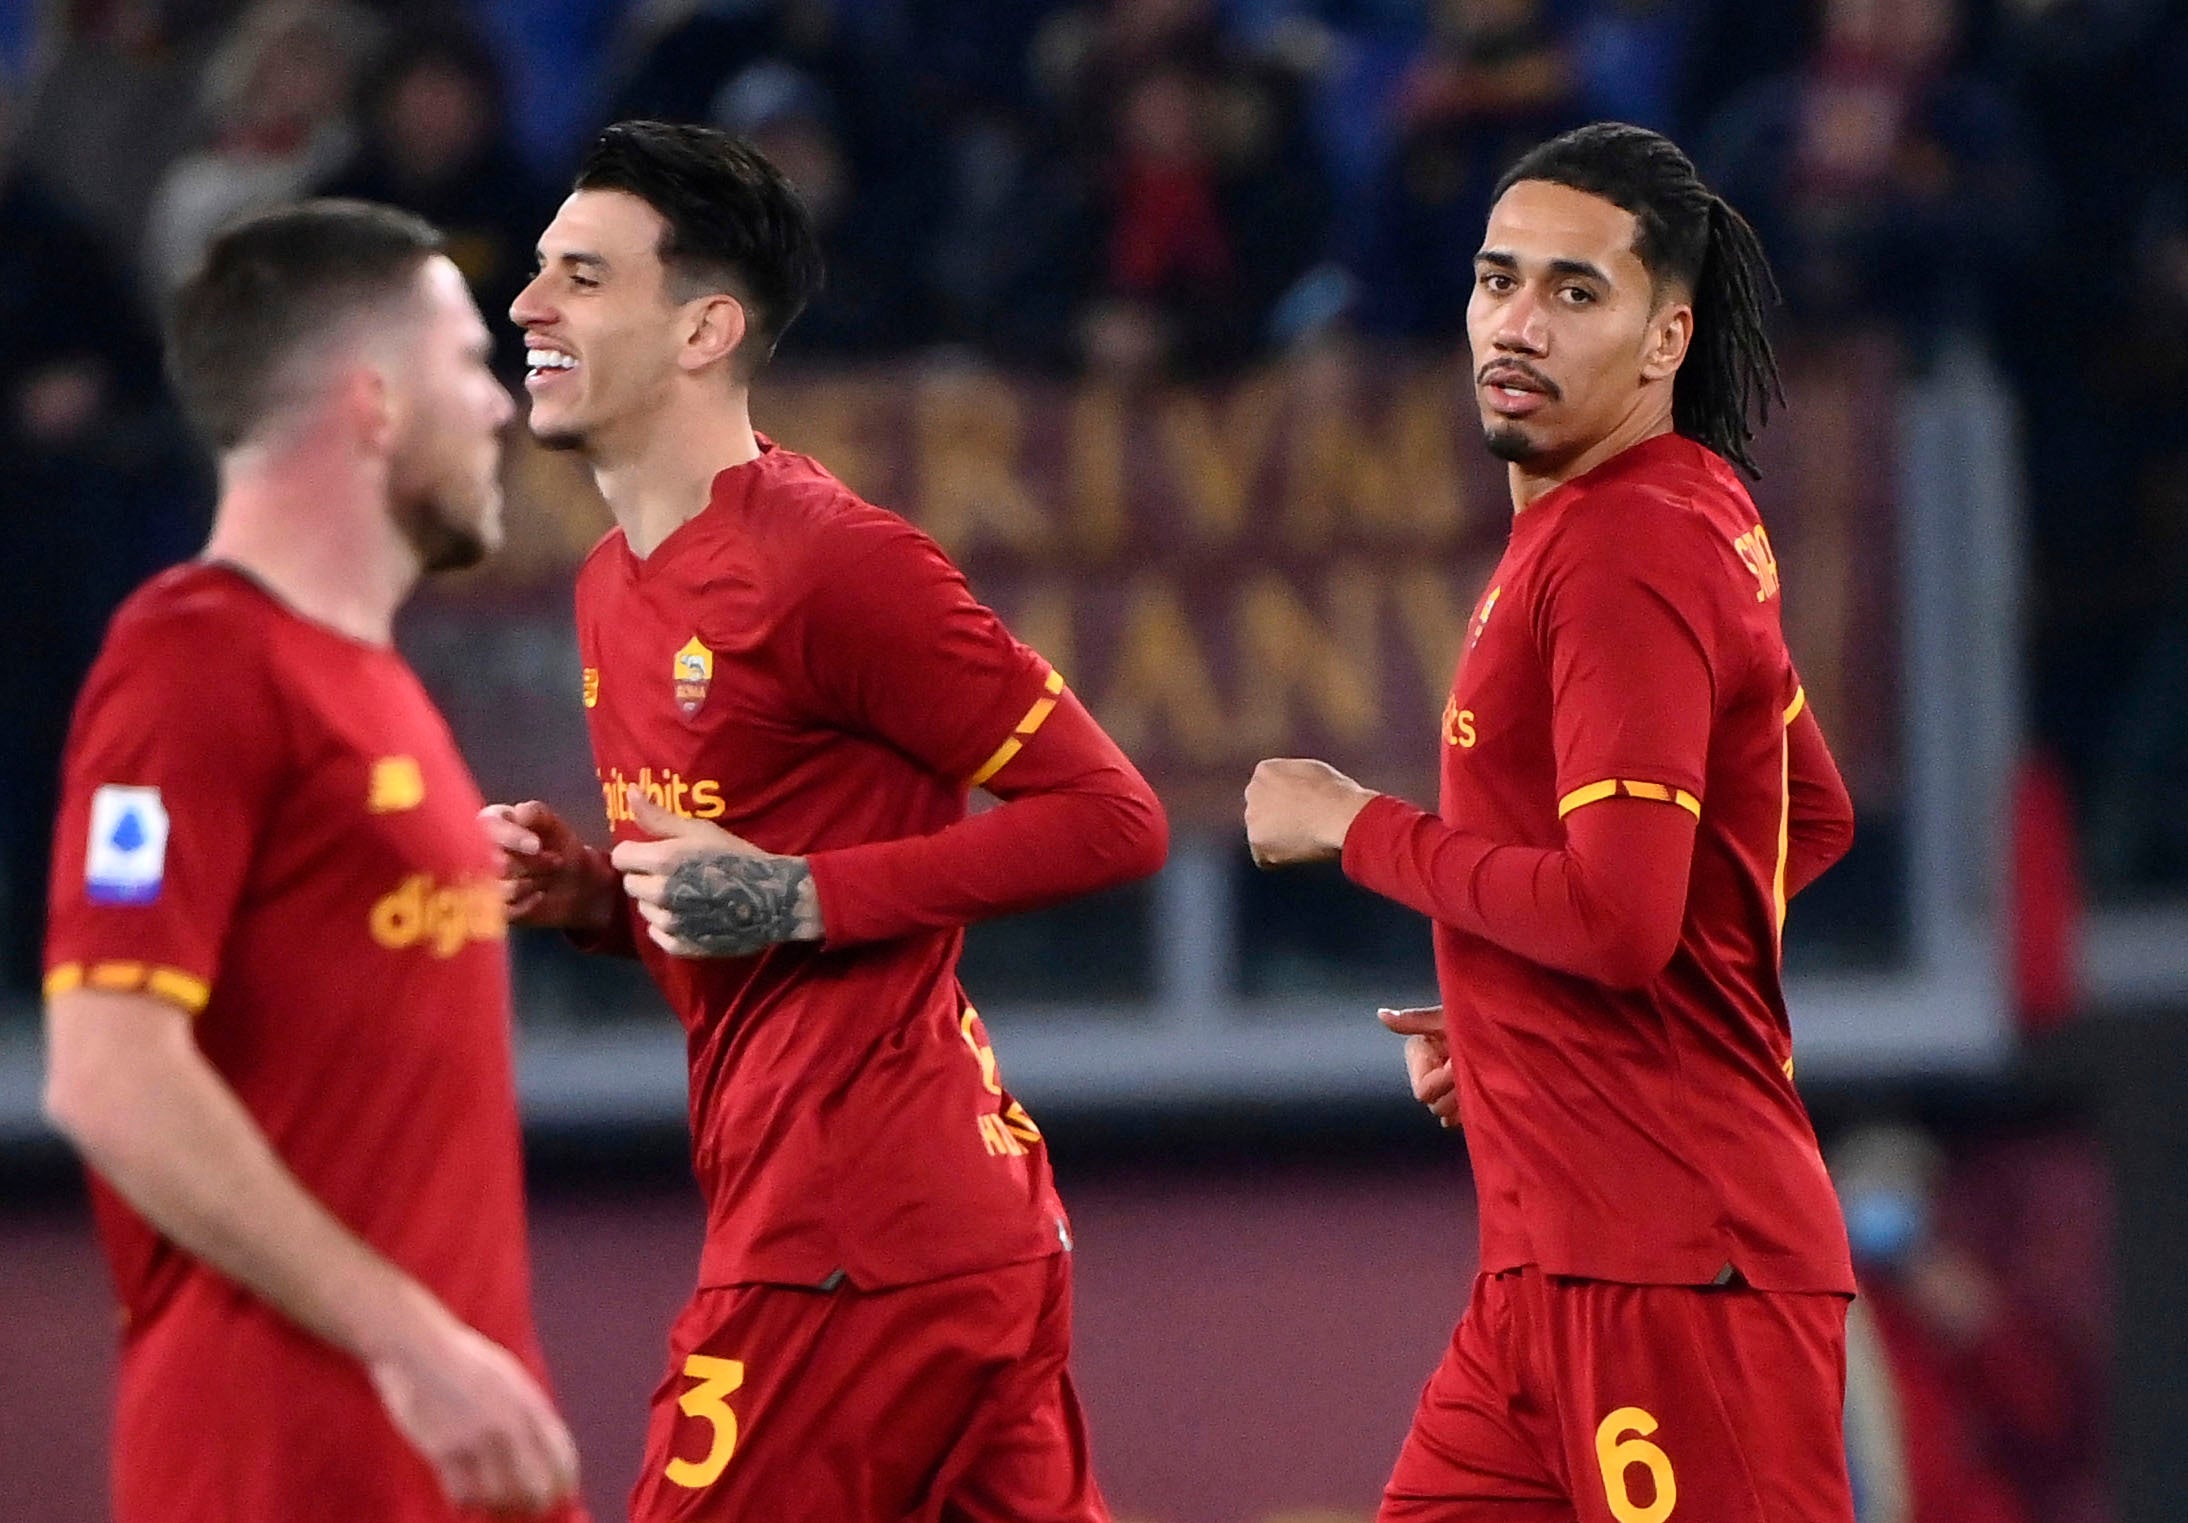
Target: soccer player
(790, 694)
(1632, 787)
(277, 984)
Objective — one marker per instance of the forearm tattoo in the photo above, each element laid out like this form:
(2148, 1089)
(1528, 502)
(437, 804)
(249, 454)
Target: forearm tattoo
(731, 905)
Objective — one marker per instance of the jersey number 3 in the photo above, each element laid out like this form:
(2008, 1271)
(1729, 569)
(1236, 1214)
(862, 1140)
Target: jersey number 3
(1622, 1442)
(719, 1379)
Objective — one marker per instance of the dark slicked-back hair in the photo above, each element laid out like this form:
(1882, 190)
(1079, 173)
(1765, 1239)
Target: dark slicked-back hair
(272, 284)
(1687, 237)
(734, 223)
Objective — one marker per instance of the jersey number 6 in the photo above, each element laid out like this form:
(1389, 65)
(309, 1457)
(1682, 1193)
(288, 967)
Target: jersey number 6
(709, 1401)
(1616, 1453)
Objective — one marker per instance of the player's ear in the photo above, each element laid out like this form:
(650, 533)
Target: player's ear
(718, 326)
(1671, 331)
(371, 404)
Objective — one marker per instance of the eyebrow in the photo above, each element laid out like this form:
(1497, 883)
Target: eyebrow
(1579, 268)
(588, 261)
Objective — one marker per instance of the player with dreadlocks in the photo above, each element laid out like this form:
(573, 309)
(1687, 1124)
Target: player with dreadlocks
(1633, 785)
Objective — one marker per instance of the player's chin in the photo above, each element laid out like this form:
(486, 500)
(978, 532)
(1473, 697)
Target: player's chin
(551, 436)
(1508, 441)
(554, 427)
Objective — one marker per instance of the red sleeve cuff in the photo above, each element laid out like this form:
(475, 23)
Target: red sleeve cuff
(1372, 843)
(619, 938)
(835, 884)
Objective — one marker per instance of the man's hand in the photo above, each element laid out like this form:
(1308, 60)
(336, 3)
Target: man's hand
(478, 1417)
(1299, 811)
(548, 876)
(1427, 1059)
(707, 893)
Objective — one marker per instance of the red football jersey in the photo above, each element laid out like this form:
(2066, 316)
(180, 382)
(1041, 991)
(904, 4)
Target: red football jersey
(811, 673)
(1629, 645)
(267, 823)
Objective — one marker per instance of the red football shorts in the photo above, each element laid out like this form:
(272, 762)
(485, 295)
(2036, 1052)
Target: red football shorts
(228, 1414)
(947, 1402)
(1562, 1399)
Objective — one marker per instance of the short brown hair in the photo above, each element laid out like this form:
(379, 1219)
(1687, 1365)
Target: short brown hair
(271, 283)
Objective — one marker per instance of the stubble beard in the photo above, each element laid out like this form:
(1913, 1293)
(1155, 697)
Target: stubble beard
(442, 537)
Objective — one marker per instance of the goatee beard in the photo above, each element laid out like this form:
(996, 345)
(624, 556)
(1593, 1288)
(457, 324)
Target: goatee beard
(1510, 445)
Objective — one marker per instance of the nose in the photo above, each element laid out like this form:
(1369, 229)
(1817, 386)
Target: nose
(1522, 325)
(528, 309)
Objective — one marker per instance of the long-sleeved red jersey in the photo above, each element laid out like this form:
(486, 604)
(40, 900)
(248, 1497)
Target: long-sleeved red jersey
(1632, 787)
(813, 674)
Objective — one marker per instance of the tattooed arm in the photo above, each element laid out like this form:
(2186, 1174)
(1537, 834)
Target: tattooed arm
(707, 893)
(729, 904)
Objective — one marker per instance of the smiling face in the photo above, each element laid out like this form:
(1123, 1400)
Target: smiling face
(1573, 345)
(605, 337)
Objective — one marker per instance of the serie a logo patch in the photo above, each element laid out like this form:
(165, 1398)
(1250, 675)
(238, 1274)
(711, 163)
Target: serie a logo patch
(694, 675)
(125, 861)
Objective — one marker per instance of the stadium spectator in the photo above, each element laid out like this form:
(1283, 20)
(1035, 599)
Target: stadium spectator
(1014, 250)
(1977, 1394)
(683, 55)
(276, 102)
(437, 142)
(1494, 79)
(1629, 60)
(1887, 178)
(91, 450)
(1208, 206)
(110, 81)
(870, 233)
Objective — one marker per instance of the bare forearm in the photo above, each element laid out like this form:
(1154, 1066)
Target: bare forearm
(166, 1132)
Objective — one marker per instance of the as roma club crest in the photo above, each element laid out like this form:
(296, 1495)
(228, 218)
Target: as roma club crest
(694, 675)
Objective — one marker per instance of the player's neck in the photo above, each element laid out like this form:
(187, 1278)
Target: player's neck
(314, 529)
(1533, 480)
(660, 474)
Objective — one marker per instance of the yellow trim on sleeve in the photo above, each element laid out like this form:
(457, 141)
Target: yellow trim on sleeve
(178, 987)
(994, 764)
(1626, 787)
(1593, 793)
(119, 977)
(115, 975)
(1800, 701)
(1035, 717)
(1785, 831)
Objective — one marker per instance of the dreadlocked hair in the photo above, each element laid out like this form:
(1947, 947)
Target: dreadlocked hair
(1689, 237)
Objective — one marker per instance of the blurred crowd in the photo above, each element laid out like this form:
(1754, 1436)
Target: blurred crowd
(1154, 189)
(1974, 1389)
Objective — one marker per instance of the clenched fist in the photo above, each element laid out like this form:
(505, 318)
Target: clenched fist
(1298, 811)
